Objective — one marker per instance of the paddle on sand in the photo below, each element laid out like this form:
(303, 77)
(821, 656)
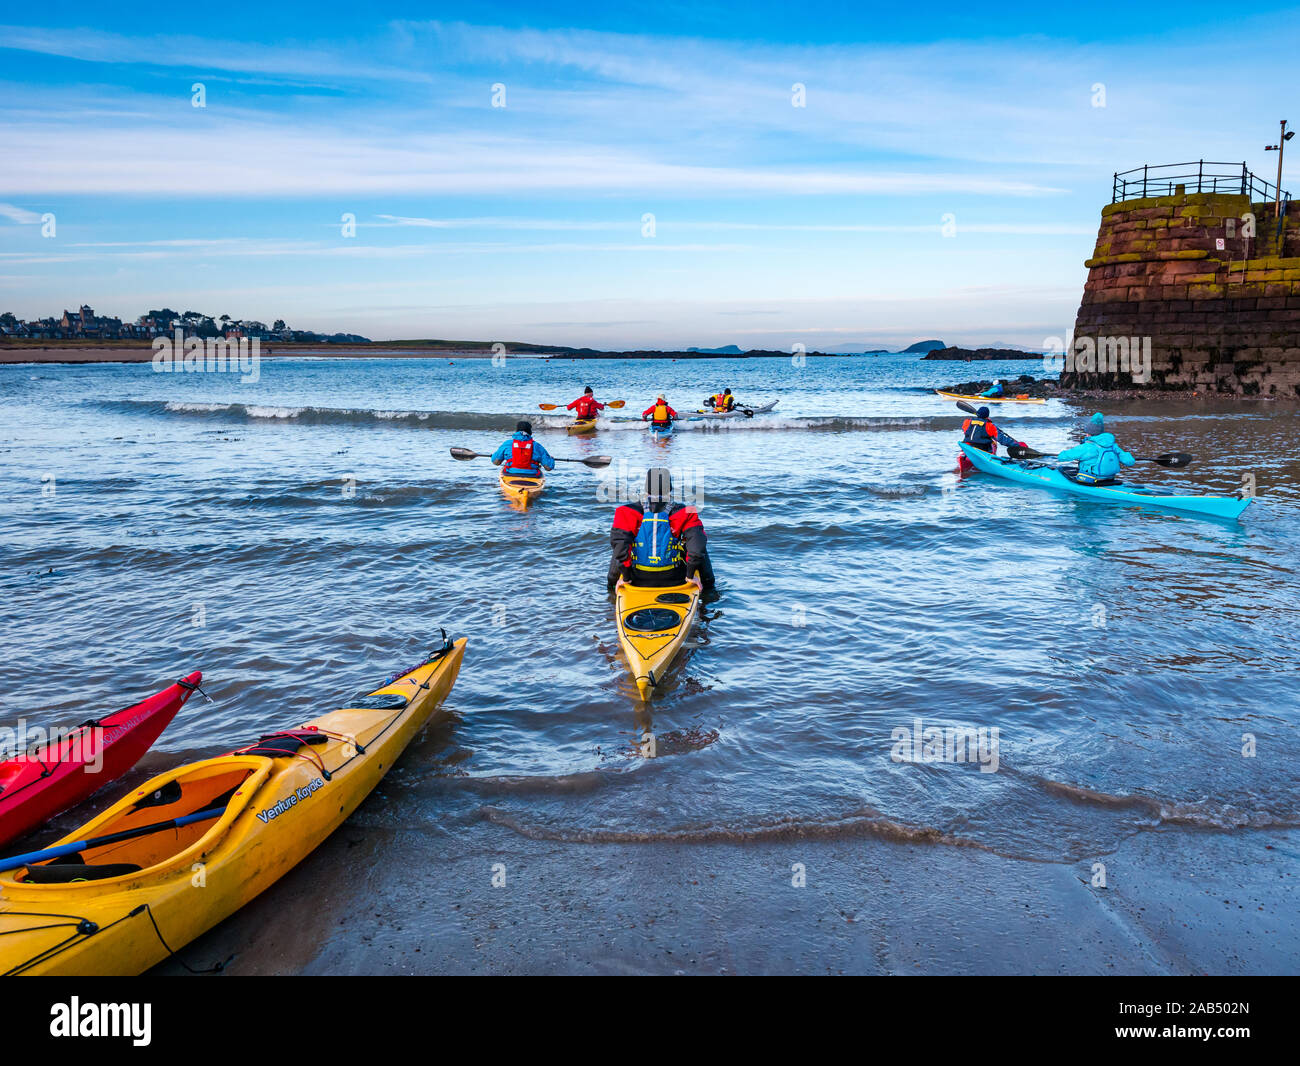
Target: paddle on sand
(1172, 460)
(555, 406)
(592, 461)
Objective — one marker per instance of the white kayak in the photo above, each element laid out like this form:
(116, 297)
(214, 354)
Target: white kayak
(740, 411)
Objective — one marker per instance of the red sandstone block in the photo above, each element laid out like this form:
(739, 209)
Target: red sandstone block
(1182, 267)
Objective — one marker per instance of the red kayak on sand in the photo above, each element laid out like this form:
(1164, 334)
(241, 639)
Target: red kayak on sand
(54, 776)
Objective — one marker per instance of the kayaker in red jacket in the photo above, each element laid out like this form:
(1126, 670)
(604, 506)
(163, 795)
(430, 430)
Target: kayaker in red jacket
(659, 413)
(585, 406)
(661, 542)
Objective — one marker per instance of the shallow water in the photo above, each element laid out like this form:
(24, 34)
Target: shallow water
(301, 538)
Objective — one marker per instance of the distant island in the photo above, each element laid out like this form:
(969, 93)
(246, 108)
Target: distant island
(981, 354)
(924, 346)
(726, 349)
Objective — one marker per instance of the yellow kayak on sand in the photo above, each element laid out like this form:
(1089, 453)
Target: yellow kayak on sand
(987, 399)
(121, 907)
(653, 624)
(582, 425)
(521, 491)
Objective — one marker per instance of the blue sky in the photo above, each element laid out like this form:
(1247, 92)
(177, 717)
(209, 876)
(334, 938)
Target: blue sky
(773, 224)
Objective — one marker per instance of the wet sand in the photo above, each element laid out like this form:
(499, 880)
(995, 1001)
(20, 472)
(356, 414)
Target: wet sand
(420, 901)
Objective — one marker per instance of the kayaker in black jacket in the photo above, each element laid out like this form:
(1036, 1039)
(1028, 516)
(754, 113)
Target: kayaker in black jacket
(660, 543)
(980, 433)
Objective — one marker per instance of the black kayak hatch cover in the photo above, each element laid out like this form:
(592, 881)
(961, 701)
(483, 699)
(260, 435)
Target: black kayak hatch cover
(652, 620)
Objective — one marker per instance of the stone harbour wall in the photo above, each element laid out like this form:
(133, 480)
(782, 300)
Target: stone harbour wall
(1220, 306)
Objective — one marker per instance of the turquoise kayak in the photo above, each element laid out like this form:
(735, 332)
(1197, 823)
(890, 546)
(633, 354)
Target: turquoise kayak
(1033, 472)
(661, 432)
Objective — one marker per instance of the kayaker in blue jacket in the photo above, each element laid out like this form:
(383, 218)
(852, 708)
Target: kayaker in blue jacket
(995, 391)
(526, 457)
(1099, 457)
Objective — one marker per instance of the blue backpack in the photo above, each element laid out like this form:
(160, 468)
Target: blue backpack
(656, 549)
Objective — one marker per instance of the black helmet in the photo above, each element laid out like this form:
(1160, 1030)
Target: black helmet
(524, 426)
(658, 485)
(588, 391)
(983, 412)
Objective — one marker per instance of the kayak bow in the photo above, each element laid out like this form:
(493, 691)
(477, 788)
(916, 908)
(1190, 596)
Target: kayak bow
(220, 831)
(50, 778)
(653, 624)
(1033, 473)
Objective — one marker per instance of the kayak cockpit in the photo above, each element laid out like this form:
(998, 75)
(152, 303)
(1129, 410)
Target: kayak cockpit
(172, 820)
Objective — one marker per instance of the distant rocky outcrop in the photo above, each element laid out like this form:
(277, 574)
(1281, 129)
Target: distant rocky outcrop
(985, 354)
(1025, 385)
(726, 349)
(924, 346)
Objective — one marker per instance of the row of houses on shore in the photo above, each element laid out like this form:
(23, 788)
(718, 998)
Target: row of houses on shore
(84, 324)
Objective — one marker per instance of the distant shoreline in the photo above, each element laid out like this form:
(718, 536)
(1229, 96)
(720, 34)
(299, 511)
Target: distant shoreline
(143, 353)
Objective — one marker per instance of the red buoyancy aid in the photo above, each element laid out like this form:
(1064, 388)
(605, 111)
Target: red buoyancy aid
(585, 407)
(680, 518)
(521, 456)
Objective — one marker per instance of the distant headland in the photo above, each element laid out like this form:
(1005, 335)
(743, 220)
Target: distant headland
(981, 354)
(82, 336)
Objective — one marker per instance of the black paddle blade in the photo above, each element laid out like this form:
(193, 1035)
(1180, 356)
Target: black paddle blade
(1017, 452)
(463, 453)
(598, 460)
(1175, 460)
(962, 405)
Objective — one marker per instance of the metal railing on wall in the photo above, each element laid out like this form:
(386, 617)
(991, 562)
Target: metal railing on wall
(1200, 176)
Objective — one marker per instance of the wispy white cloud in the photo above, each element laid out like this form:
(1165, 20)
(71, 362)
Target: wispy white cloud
(19, 215)
(197, 250)
(241, 159)
(327, 63)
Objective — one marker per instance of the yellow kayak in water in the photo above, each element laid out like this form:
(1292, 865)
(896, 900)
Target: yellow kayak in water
(977, 400)
(120, 907)
(581, 426)
(521, 491)
(653, 624)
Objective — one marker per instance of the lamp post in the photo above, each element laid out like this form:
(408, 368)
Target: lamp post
(1279, 148)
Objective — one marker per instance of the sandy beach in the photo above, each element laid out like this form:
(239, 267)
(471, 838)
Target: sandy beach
(1177, 903)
